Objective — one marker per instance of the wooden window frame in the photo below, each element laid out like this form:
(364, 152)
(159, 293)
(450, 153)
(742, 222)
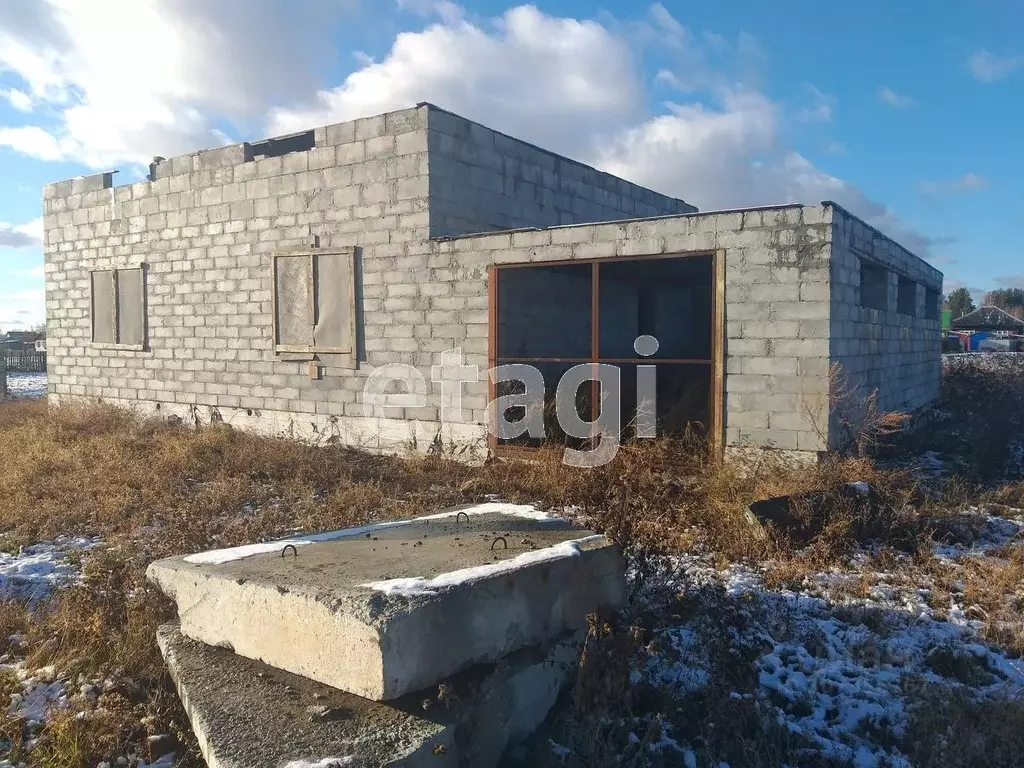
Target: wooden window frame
(115, 308)
(314, 349)
(716, 361)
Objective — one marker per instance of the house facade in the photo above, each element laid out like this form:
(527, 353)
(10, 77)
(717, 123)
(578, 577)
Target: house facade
(332, 283)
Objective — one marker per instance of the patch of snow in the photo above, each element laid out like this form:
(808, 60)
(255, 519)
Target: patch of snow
(330, 762)
(834, 667)
(27, 386)
(35, 571)
(990, 533)
(36, 697)
(420, 586)
(526, 511)
(221, 556)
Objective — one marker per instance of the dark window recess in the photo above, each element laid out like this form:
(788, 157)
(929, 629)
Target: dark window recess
(545, 313)
(551, 317)
(874, 286)
(669, 299)
(906, 303)
(282, 145)
(931, 304)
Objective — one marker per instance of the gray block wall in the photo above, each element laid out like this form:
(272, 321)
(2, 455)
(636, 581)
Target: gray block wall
(205, 230)
(208, 226)
(777, 304)
(897, 354)
(483, 181)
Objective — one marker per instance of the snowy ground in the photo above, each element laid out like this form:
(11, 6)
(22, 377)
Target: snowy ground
(31, 386)
(836, 665)
(30, 576)
(33, 572)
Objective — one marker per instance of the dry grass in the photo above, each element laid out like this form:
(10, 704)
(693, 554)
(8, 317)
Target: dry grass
(152, 490)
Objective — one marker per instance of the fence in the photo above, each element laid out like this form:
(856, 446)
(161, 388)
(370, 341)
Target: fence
(24, 361)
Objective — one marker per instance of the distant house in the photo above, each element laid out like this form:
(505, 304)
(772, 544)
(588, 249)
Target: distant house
(19, 341)
(991, 319)
(989, 329)
(41, 344)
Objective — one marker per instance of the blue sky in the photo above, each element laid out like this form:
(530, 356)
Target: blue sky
(909, 114)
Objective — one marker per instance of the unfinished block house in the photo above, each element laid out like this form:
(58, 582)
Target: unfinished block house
(267, 284)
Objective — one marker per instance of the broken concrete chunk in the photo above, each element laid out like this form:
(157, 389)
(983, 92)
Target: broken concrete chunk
(381, 617)
(245, 713)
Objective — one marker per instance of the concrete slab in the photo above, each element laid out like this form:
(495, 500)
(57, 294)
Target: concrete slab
(247, 714)
(395, 608)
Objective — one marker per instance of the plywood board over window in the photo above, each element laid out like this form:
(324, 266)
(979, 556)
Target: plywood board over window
(118, 303)
(315, 306)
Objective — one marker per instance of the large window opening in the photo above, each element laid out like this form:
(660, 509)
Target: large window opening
(632, 315)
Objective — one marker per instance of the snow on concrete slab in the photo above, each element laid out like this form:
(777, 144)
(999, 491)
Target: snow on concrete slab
(525, 511)
(219, 556)
(420, 586)
(383, 610)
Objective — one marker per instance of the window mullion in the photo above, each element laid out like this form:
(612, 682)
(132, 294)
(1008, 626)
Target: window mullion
(115, 310)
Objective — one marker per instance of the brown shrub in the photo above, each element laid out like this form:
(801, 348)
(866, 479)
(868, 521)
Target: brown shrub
(151, 490)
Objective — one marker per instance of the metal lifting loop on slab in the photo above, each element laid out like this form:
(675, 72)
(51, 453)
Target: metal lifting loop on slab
(461, 514)
(497, 539)
(292, 547)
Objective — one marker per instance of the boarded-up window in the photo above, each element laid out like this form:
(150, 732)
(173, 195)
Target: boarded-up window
(314, 303)
(119, 307)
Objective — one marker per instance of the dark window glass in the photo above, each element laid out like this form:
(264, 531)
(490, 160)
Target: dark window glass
(669, 299)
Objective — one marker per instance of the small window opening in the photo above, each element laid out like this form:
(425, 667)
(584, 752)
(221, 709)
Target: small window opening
(906, 303)
(874, 286)
(281, 145)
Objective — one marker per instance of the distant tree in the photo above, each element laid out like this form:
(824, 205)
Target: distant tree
(1005, 298)
(959, 302)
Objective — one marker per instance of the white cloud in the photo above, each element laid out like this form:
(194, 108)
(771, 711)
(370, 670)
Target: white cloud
(36, 142)
(552, 78)
(820, 109)
(969, 182)
(20, 100)
(134, 78)
(989, 67)
(22, 309)
(893, 99)
(576, 88)
(24, 236)
(129, 79)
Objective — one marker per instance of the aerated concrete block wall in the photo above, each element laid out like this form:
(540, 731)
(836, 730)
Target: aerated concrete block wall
(898, 353)
(482, 181)
(207, 227)
(777, 295)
